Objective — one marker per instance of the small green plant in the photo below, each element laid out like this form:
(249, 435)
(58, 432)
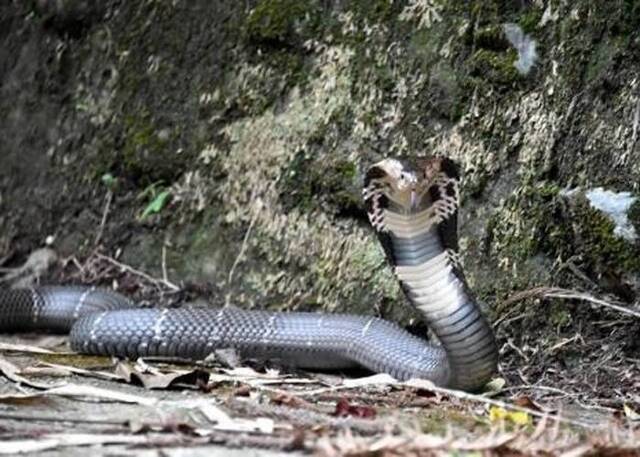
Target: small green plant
(157, 196)
(110, 181)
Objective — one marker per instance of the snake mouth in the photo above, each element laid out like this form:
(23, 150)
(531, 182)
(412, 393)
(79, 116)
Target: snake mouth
(403, 185)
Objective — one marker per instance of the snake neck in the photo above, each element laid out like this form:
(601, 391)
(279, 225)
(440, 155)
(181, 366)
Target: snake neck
(418, 230)
(433, 283)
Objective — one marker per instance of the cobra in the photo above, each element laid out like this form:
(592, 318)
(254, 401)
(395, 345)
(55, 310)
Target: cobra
(413, 209)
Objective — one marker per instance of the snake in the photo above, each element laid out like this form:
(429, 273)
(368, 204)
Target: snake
(412, 206)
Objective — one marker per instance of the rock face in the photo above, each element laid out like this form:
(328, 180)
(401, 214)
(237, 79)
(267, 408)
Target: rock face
(236, 134)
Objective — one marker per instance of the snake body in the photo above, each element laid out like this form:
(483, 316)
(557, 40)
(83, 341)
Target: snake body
(414, 213)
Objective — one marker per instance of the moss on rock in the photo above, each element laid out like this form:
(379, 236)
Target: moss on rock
(634, 216)
(280, 22)
(495, 67)
(310, 183)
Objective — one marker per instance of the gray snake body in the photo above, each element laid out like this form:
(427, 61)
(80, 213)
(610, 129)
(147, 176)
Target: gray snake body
(414, 214)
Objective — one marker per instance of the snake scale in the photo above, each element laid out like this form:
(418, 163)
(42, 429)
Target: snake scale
(413, 209)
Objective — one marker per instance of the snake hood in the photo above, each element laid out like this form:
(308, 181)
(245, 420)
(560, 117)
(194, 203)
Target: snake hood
(413, 208)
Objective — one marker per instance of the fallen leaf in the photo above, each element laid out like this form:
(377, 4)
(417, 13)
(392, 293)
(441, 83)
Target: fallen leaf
(242, 391)
(344, 409)
(75, 370)
(10, 371)
(288, 399)
(630, 413)
(158, 380)
(23, 399)
(381, 378)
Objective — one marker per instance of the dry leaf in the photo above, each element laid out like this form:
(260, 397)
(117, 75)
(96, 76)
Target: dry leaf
(630, 413)
(288, 399)
(151, 378)
(345, 409)
(79, 371)
(10, 371)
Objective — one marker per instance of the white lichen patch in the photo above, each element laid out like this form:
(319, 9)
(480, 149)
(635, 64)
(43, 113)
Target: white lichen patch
(524, 44)
(616, 206)
(424, 12)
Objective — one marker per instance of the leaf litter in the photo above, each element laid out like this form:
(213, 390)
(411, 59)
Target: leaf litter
(196, 404)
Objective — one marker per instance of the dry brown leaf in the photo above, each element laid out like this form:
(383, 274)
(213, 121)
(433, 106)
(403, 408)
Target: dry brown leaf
(80, 371)
(158, 380)
(344, 409)
(288, 399)
(10, 371)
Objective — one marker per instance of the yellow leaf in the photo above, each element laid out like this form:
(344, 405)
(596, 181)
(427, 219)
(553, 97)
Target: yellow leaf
(516, 417)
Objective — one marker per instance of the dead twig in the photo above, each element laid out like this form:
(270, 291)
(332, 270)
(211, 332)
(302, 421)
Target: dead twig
(557, 292)
(540, 388)
(243, 247)
(105, 214)
(142, 274)
(256, 209)
(165, 276)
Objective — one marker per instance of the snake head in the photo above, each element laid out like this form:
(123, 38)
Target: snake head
(407, 187)
(411, 188)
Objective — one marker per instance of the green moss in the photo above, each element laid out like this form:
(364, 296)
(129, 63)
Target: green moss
(371, 261)
(491, 38)
(311, 183)
(601, 60)
(559, 316)
(634, 215)
(538, 220)
(372, 11)
(603, 250)
(496, 67)
(534, 206)
(145, 153)
(530, 19)
(277, 21)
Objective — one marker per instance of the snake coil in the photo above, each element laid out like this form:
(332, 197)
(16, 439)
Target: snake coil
(413, 210)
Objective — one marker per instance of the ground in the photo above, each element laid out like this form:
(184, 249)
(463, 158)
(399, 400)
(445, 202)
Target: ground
(220, 147)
